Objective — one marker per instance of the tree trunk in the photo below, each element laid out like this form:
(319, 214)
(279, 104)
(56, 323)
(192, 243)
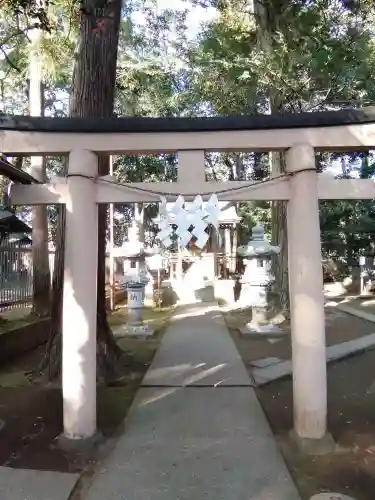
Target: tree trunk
(260, 170)
(93, 85)
(52, 360)
(280, 296)
(266, 27)
(41, 271)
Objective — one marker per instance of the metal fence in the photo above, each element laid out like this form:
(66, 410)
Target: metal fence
(16, 280)
(16, 273)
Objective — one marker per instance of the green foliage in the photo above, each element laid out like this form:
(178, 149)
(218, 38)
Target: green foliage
(348, 227)
(315, 55)
(34, 9)
(321, 55)
(57, 48)
(141, 168)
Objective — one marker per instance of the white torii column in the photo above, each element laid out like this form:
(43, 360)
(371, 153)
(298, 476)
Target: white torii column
(306, 296)
(79, 303)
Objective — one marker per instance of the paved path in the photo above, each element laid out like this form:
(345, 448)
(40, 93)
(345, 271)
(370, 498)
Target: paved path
(18, 484)
(197, 350)
(195, 430)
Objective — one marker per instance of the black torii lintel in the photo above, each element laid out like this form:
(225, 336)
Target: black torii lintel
(177, 124)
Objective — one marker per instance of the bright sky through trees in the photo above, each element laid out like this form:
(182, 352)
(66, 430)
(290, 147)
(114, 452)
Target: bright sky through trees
(197, 15)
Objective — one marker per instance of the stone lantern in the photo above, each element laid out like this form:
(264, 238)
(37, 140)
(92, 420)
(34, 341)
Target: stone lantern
(257, 256)
(136, 279)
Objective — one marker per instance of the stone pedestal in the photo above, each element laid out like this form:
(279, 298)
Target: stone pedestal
(135, 303)
(134, 325)
(259, 323)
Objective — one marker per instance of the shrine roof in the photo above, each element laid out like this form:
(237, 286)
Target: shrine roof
(186, 124)
(10, 223)
(15, 174)
(228, 213)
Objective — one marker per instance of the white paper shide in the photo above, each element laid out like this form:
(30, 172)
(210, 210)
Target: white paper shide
(190, 220)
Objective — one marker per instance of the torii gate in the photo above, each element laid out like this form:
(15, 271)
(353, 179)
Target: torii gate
(298, 135)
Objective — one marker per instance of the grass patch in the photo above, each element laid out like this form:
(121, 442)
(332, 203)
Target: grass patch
(15, 318)
(143, 349)
(8, 325)
(153, 316)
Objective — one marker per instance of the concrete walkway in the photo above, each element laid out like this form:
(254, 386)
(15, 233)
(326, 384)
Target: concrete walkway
(19, 484)
(195, 430)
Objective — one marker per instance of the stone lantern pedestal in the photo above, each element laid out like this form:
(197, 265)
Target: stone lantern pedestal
(134, 325)
(255, 281)
(135, 292)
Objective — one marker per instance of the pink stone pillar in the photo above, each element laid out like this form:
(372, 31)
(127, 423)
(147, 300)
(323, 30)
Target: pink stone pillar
(306, 295)
(79, 306)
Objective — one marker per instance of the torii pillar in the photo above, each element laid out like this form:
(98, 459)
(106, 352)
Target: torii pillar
(79, 300)
(307, 302)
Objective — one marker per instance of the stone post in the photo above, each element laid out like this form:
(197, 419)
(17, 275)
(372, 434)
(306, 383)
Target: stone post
(234, 249)
(227, 242)
(306, 296)
(79, 302)
(214, 246)
(364, 277)
(227, 247)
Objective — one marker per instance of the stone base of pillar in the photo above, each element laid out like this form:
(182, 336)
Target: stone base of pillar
(307, 446)
(266, 329)
(133, 331)
(331, 496)
(85, 445)
(259, 324)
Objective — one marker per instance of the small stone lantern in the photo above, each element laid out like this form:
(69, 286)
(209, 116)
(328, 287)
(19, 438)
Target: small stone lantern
(257, 276)
(136, 280)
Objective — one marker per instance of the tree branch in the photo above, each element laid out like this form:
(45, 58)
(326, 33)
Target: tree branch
(17, 33)
(9, 61)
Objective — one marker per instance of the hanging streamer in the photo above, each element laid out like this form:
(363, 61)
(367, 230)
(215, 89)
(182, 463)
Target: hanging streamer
(213, 216)
(191, 219)
(165, 230)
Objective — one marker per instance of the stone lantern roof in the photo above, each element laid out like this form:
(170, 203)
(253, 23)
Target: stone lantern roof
(258, 246)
